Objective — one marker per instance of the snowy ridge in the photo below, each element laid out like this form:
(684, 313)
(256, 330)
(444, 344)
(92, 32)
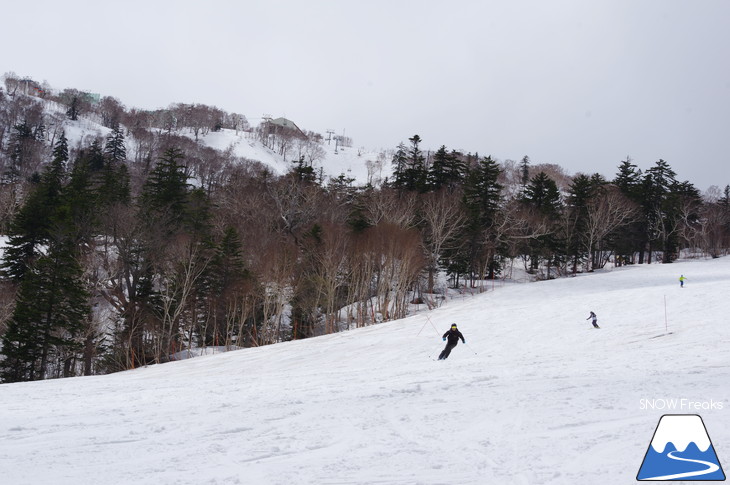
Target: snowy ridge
(536, 396)
(334, 160)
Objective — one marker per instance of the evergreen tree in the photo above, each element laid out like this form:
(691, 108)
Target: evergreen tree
(400, 164)
(80, 206)
(525, 171)
(221, 288)
(628, 178)
(482, 197)
(633, 238)
(115, 151)
(446, 171)
(656, 188)
(95, 157)
(416, 172)
(482, 192)
(165, 193)
(22, 148)
(582, 192)
(60, 153)
(28, 230)
(54, 176)
(725, 199)
(410, 169)
(74, 107)
(724, 204)
(52, 307)
(32, 225)
(113, 185)
(114, 180)
(303, 171)
(542, 195)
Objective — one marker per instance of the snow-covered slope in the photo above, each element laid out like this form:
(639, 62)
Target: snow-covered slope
(334, 160)
(350, 161)
(537, 396)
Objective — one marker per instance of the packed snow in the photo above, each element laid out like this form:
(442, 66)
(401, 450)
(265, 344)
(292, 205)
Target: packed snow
(536, 396)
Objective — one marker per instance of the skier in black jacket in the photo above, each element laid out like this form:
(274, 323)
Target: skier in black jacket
(453, 336)
(594, 321)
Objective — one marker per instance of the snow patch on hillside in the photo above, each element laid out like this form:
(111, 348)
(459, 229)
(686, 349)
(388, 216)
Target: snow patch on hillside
(337, 160)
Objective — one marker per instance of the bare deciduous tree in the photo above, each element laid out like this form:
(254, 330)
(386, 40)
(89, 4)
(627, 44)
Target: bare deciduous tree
(606, 213)
(392, 207)
(443, 218)
(178, 269)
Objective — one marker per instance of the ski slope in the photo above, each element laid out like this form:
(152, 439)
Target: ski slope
(537, 396)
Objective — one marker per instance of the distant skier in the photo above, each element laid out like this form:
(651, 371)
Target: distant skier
(594, 320)
(453, 336)
(681, 281)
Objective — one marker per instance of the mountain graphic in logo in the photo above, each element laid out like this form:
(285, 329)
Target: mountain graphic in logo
(681, 450)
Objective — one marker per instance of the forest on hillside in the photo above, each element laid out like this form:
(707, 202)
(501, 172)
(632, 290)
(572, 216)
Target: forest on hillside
(124, 249)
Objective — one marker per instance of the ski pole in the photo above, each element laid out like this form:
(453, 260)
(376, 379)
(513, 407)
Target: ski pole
(431, 355)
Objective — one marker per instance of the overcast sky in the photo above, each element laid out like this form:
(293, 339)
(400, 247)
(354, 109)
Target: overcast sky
(582, 84)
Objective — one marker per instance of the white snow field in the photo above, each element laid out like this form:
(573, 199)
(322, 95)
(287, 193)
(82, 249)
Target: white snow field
(537, 396)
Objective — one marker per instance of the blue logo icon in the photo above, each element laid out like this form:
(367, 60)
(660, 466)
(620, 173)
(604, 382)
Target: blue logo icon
(681, 450)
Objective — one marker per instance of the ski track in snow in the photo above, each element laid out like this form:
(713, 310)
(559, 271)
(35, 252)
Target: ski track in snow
(542, 398)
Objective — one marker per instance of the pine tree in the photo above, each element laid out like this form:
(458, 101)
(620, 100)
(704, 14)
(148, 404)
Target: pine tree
(582, 192)
(24, 139)
(628, 178)
(114, 183)
(165, 193)
(60, 153)
(400, 164)
(633, 239)
(482, 197)
(54, 176)
(32, 225)
(224, 282)
(725, 199)
(303, 171)
(525, 171)
(28, 231)
(446, 171)
(115, 151)
(52, 307)
(416, 171)
(409, 167)
(80, 205)
(74, 107)
(482, 192)
(543, 196)
(94, 157)
(661, 196)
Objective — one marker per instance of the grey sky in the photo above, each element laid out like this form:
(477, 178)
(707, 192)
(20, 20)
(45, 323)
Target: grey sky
(578, 83)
